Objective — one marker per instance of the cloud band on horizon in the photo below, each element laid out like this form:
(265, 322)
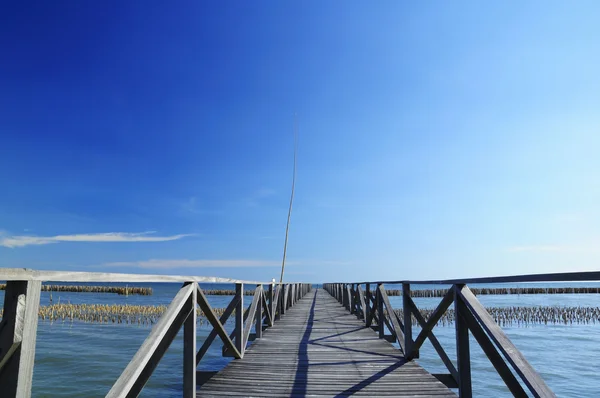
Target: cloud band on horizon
(25, 240)
(184, 263)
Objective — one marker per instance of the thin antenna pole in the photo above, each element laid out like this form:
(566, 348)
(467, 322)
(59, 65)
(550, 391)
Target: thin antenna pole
(287, 226)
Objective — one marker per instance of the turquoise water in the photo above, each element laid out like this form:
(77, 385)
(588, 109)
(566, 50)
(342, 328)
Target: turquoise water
(84, 360)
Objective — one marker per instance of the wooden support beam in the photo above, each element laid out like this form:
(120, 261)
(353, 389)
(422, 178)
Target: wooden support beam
(140, 368)
(240, 345)
(447, 379)
(396, 327)
(271, 305)
(361, 299)
(493, 355)
(434, 341)
(259, 306)
(368, 316)
(463, 354)
(530, 377)
(251, 314)
(18, 336)
(266, 308)
(189, 347)
(202, 376)
(379, 312)
(217, 325)
(408, 340)
(434, 318)
(277, 302)
(213, 333)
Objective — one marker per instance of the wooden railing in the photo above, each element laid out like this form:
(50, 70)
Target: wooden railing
(372, 305)
(20, 318)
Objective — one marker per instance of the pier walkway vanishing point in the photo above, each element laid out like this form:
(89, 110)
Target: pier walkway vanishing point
(319, 349)
(292, 340)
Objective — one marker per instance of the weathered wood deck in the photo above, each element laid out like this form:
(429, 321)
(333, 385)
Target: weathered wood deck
(318, 349)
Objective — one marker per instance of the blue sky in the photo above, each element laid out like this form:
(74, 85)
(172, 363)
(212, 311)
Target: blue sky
(435, 140)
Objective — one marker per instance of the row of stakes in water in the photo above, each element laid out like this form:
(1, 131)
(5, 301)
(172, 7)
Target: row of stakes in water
(149, 314)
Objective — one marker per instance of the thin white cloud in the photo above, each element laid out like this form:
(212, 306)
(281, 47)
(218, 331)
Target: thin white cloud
(183, 263)
(27, 240)
(205, 263)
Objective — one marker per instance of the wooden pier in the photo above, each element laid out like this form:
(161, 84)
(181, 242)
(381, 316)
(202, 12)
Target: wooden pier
(319, 349)
(292, 340)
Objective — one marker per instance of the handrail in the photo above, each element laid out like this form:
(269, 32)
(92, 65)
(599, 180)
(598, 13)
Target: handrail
(552, 277)
(20, 274)
(20, 318)
(470, 317)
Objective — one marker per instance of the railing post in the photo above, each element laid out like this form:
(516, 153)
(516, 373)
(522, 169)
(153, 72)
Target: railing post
(408, 340)
(380, 314)
(271, 304)
(368, 303)
(463, 355)
(239, 319)
(17, 340)
(259, 314)
(189, 347)
(350, 289)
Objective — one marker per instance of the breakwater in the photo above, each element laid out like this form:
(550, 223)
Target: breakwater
(108, 313)
(479, 291)
(442, 292)
(122, 290)
(149, 314)
(526, 316)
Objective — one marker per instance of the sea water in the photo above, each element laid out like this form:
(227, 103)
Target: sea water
(84, 359)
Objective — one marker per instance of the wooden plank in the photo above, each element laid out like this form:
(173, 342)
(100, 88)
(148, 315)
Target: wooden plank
(321, 349)
(463, 354)
(189, 347)
(143, 363)
(530, 377)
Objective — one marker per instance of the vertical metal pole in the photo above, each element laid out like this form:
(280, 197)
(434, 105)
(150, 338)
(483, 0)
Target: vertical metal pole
(239, 319)
(408, 340)
(463, 354)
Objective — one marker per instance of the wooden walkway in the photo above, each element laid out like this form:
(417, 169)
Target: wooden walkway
(319, 349)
